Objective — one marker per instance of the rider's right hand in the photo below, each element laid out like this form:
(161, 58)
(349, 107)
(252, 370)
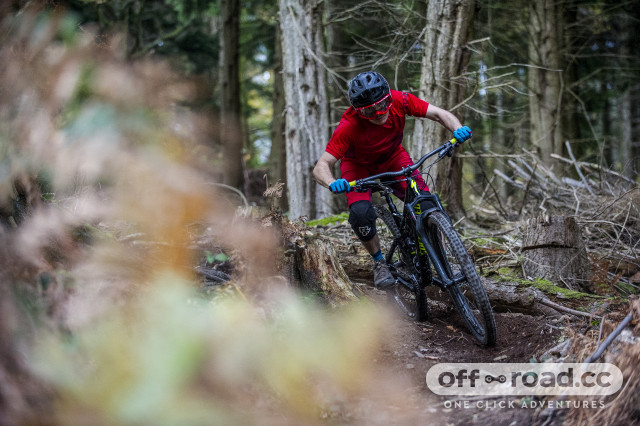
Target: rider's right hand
(339, 186)
(462, 134)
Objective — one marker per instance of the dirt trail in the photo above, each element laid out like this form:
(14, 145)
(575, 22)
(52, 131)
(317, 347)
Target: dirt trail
(414, 347)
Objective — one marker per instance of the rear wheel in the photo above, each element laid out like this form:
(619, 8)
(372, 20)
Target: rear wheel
(468, 294)
(408, 292)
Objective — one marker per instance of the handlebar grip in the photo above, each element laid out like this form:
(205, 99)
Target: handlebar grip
(352, 183)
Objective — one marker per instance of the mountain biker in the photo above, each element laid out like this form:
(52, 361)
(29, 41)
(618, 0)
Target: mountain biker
(368, 141)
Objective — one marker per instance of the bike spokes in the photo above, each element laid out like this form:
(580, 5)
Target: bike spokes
(407, 293)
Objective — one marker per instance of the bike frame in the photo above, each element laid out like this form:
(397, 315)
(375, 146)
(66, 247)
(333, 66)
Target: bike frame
(415, 219)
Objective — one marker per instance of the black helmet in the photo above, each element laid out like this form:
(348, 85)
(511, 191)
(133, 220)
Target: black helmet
(367, 88)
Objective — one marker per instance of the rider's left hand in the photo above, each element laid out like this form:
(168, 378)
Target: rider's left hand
(462, 134)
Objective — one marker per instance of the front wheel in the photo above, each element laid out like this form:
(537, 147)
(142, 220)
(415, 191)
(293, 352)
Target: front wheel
(467, 293)
(408, 292)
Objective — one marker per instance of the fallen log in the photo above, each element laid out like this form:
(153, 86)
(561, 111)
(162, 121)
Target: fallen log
(505, 296)
(512, 297)
(320, 267)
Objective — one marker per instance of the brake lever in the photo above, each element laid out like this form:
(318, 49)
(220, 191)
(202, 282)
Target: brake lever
(449, 149)
(357, 187)
(362, 187)
(447, 152)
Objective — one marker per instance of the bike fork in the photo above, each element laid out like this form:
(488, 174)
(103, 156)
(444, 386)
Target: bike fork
(433, 255)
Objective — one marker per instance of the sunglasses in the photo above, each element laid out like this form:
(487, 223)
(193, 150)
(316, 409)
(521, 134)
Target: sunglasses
(378, 108)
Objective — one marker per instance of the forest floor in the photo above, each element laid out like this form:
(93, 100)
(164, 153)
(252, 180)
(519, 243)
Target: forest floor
(413, 348)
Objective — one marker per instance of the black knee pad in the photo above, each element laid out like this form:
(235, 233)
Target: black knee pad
(363, 219)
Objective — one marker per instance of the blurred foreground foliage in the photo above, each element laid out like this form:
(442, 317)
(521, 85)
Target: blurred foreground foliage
(169, 358)
(97, 327)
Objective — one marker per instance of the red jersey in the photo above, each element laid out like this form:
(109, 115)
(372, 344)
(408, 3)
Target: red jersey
(361, 141)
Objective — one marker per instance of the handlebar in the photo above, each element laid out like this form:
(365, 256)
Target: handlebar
(442, 151)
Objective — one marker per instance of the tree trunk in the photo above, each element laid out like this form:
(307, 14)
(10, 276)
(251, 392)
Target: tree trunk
(449, 24)
(609, 151)
(278, 154)
(338, 43)
(231, 128)
(553, 250)
(545, 78)
(625, 149)
(634, 92)
(503, 141)
(570, 112)
(635, 131)
(307, 108)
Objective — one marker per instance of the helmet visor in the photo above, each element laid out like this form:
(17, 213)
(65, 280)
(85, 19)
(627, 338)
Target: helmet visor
(378, 108)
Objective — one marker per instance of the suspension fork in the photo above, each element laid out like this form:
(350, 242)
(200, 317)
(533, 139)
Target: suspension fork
(419, 218)
(433, 253)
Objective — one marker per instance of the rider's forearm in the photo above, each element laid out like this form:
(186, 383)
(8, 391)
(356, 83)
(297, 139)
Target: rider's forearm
(444, 117)
(322, 174)
(451, 122)
(322, 171)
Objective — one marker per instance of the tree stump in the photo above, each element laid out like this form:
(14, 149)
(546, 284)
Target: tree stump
(553, 249)
(319, 271)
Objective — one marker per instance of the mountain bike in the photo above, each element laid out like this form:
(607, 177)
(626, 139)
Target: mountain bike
(423, 248)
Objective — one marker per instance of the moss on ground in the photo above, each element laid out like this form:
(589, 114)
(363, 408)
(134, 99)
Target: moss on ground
(330, 220)
(546, 286)
(627, 288)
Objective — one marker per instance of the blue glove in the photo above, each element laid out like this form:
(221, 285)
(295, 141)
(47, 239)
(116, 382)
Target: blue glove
(462, 134)
(339, 186)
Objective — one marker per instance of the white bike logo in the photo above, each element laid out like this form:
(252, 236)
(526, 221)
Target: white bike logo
(364, 230)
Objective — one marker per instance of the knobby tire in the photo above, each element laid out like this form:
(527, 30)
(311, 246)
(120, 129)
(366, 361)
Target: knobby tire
(469, 295)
